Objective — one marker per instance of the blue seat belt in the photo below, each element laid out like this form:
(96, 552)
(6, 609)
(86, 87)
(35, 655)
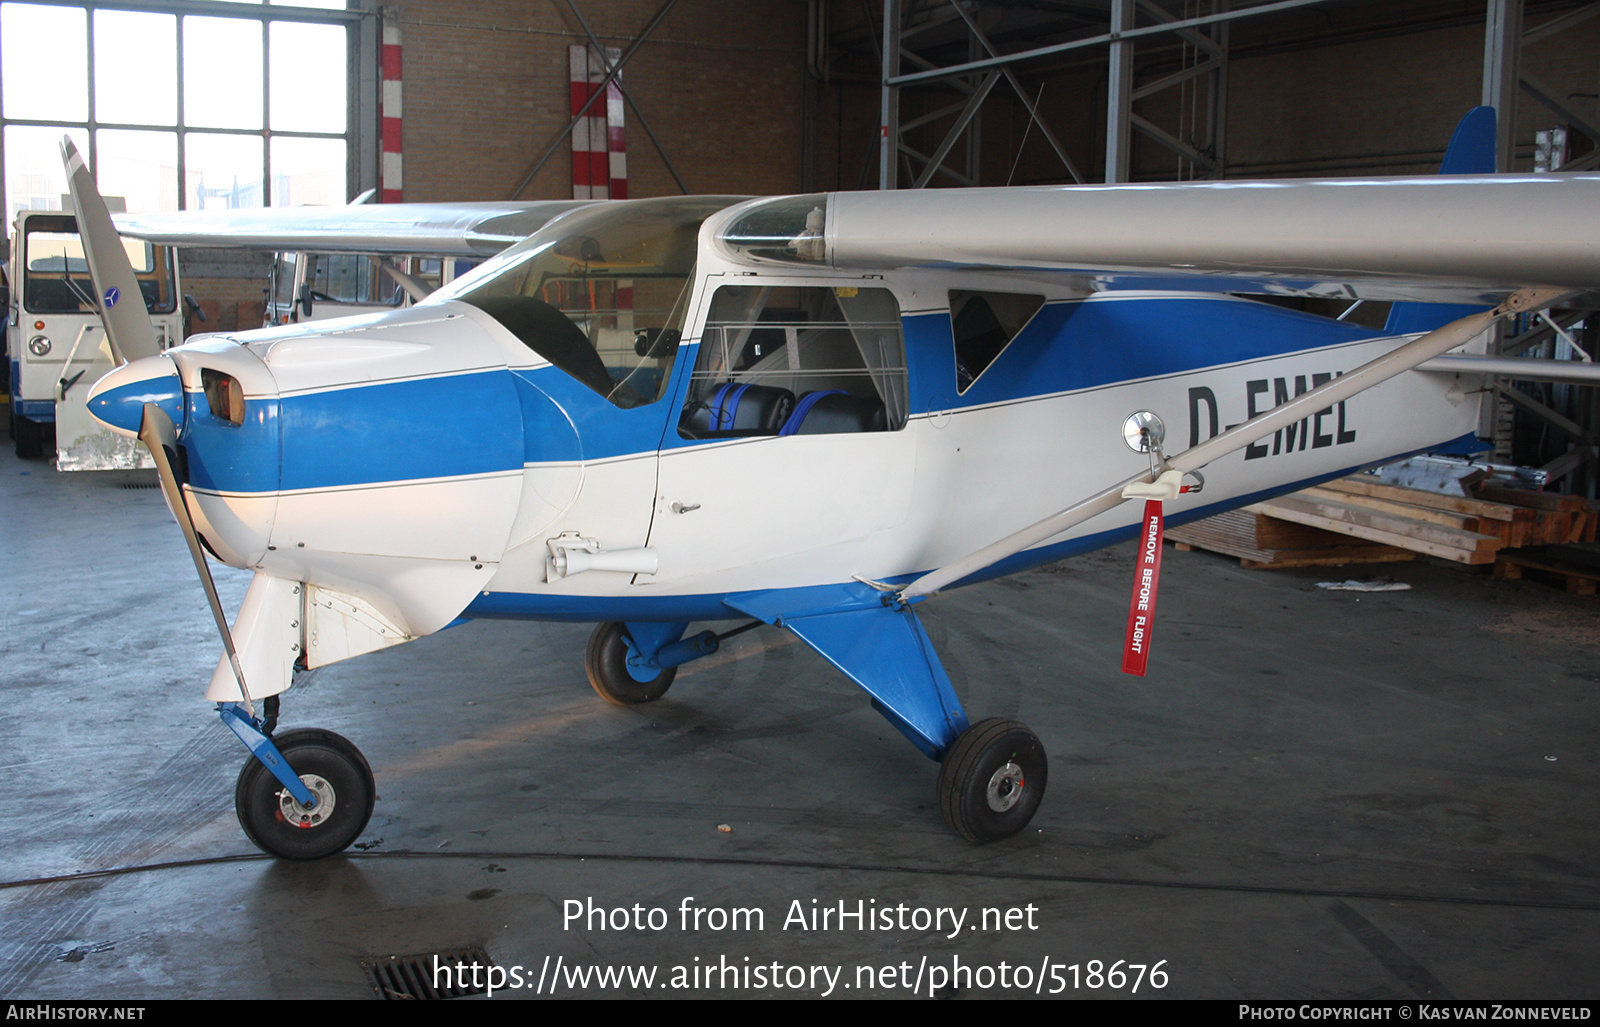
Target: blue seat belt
(803, 408)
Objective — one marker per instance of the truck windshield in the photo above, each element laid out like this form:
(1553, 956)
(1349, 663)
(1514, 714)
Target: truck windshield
(600, 293)
(56, 275)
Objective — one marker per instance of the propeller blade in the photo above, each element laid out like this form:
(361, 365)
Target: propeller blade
(116, 287)
(157, 431)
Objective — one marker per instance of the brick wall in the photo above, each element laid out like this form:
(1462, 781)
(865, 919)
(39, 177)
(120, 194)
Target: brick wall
(486, 92)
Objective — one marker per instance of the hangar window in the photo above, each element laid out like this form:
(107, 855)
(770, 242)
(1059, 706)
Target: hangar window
(183, 105)
(788, 360)
(984, 323)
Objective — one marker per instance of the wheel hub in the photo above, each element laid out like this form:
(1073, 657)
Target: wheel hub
(297, 815)
(1005, 788)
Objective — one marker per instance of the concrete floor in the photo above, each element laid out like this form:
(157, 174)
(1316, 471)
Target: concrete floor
(1312, 794)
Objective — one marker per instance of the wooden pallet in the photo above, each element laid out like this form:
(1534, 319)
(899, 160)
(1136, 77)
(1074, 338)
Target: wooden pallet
(1431, 532)
(1360, 520)
(1260, 541)
(1512, 524)
(1575, 565)
(1557, 519)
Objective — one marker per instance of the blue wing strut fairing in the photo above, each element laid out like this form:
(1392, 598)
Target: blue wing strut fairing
(811, 412)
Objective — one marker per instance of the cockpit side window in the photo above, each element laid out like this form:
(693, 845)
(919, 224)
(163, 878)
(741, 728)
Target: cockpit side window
(788, 360)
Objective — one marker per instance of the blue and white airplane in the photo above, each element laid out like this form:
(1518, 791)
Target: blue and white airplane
(814, 412)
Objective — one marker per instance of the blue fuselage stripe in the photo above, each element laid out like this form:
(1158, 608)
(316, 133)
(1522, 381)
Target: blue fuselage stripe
(1087, 344)
(497, 421)
(428, 428)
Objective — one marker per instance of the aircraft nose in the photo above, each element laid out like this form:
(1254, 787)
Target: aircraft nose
(117, 400)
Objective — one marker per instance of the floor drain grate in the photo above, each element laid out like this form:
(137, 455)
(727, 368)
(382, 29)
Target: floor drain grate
(429, 976)
(140, 485)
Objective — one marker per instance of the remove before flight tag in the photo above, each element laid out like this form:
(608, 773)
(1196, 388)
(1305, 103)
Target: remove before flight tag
(1147, 575)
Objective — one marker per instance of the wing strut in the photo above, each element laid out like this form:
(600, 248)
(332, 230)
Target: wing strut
(1374, 372)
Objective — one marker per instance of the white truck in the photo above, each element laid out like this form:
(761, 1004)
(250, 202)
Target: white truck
(314, 286)
(56, 344)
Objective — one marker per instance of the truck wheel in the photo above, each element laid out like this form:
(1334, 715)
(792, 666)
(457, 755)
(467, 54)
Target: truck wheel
(28, 437)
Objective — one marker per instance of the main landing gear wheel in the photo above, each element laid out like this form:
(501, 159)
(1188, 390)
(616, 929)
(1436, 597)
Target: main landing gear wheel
(991, 780)
(606, 662)
(28, 437)
(336, 773)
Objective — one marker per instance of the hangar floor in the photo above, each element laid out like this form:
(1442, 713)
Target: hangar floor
(1313, 794)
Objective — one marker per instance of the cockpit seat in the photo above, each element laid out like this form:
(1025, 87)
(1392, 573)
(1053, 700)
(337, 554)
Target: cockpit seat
(734, 410)
(833, 411)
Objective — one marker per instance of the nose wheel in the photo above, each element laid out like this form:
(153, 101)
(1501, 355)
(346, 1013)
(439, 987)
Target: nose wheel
(336, 774)
(991, 780)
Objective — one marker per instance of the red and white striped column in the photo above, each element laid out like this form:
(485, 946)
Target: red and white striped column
(391, 185)
(599, 144)
(616, 141)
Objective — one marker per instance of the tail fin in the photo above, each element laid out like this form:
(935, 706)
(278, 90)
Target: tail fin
(1471, 149)
(1471, 152)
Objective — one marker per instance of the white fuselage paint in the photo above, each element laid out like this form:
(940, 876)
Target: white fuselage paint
(737, 515)
(802, 510)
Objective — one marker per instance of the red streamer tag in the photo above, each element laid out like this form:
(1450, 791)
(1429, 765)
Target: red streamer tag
(1142, 608)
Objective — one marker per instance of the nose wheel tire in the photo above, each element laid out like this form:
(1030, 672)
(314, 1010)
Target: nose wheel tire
(606, 662)
(991, 780)
(335, 772)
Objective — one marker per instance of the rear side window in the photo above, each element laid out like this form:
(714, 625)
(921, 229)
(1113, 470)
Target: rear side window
(984, 323)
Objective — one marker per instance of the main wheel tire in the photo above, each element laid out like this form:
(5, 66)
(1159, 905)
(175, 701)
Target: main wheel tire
(606, 662)
(28, 437)
(336, 773)
(991, 780)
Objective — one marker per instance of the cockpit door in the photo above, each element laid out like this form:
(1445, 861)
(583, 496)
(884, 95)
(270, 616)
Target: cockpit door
(789, 449)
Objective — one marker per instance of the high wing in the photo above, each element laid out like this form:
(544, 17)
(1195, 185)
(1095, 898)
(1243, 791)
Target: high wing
(438, 229)
(1434, 239)
(1513, 243)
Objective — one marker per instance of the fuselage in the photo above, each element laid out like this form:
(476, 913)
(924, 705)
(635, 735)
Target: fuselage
(734, 425)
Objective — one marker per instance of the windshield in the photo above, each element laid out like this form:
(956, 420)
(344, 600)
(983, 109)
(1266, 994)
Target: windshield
(600, 293)
(56, 275)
